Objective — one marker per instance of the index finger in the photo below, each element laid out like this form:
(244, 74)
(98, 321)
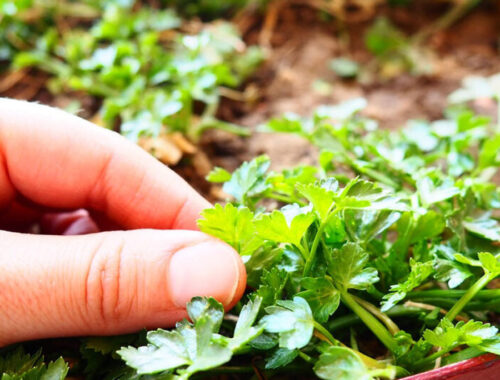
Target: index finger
(58, 160)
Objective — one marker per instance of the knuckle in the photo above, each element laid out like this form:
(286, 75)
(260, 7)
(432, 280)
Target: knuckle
(106, 298)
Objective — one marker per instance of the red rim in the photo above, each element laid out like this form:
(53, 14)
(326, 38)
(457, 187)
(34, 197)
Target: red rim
(484, 367)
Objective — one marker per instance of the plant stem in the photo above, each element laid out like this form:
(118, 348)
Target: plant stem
(485, 294)
(466, 353)
(453, 15)
(391, 326)
(285, 199)
(478, 285)
(306, 357)
(303, 251)
(318, 326)
(314, 249)
(369, 362)
(431, 358)
(369, 320)
(352, 319)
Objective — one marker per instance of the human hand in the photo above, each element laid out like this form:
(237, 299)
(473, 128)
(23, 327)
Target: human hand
(101, 283)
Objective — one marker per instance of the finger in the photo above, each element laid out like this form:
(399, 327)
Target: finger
(59, 160)
(110, 282)
(76, 222)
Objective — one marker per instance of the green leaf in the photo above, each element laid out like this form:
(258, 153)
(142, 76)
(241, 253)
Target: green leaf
(321, 295)
(195, 347)
(348, 270)
(487, 261)
(368, 195)
(281, 357)
(341, 363)
(209, 308)
(244, 331)
(218, 175)
(365, 225)
(272, 285)
(248, 180)
(448, 336)
(491, 345)
(293, 321)
(167, 351)
(233, 225)
(288, 122)
(18, 365)
(430, 194)
(56, 370)
(321, 198)
(484, 227)
(489, 154)
(447, 268)
(418, 274)
(276, 228)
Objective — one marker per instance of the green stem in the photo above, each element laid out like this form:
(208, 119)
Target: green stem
(478, 285)
(466, 353)
(341, 323)
(431, 358)
(303, 251)
(369, 362)
(306, 357)
(285, 199)
(485, 294)
(498, 113)
(453, 15)
(371, 322)
(388, 322)
(314, 249)
(318, 326)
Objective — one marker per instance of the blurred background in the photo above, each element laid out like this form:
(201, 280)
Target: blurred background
(192, 81)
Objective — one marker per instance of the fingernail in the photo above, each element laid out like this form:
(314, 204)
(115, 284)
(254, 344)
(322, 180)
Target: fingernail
(209, 269)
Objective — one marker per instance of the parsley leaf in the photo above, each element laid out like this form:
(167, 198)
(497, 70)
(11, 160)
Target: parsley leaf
(321, 295)
(418, 274)
(347, 268)
(233, 225)
(293, 320)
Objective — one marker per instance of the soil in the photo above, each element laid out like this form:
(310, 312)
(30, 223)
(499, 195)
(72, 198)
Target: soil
(300, 48)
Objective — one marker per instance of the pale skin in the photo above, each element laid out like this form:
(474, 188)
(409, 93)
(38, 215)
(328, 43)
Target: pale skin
(139, 275)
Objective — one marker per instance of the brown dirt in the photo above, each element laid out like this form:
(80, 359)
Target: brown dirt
(301, 47)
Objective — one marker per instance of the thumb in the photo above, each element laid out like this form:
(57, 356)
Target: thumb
(110, 282)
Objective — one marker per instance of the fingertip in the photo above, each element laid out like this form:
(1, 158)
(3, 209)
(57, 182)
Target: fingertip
(210, 269)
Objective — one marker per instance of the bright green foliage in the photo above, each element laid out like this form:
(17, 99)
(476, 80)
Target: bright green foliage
(343, 364)
(148, 74)
(193, 346)
(412, 211)
(18, 365)
(321, 295)
(275, 227)
(448, 336)
(393, 50)
(248, 181)
(418, 274)
(293, 321)
(233, 225)
(383, 219)
(340, 363)
(347, 268)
